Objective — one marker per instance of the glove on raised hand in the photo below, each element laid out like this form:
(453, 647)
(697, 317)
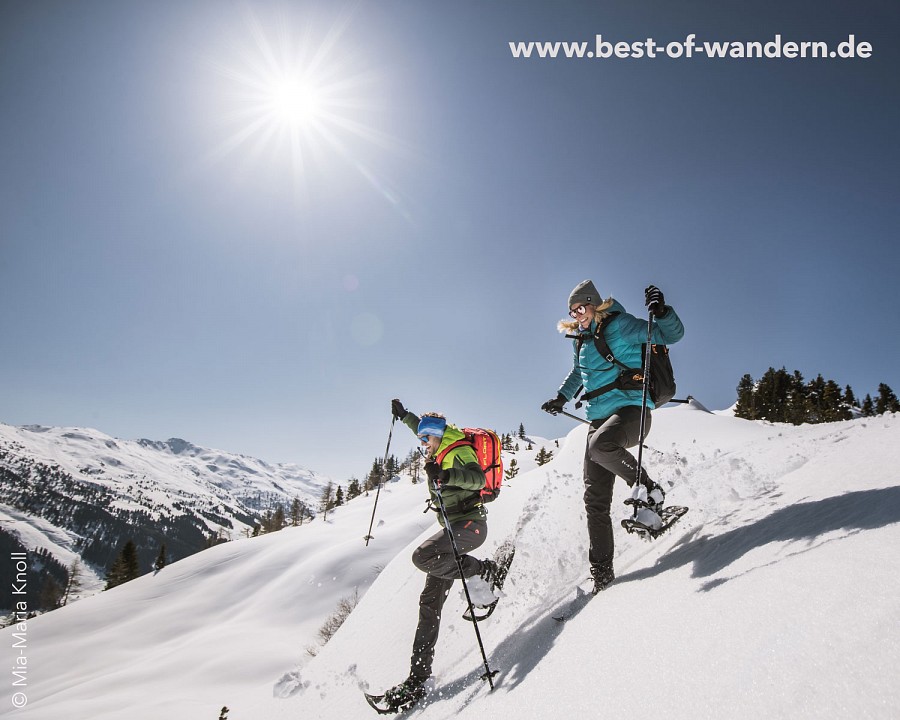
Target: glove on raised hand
(555, 405)
(655, 301)
(397, 409)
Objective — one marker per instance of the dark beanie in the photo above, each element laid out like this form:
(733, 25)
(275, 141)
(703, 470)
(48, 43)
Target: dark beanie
(584, 294)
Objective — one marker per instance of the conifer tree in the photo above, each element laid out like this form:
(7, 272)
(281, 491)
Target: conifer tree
(414, 464)
(780, 397)
(74, 582)
(124, 568)
(130, 561)
(831, 402)
(339, 496)
(521, 431)
(868, 406)
(796, 404)
(278, 518)
(353, 489)
(374, 476)
(745, 407)
(161, 558)
(886, 402)
(543, 457)
(391, 468)
(51, 593)
(512, 470)
(326, 500)
(772, 395)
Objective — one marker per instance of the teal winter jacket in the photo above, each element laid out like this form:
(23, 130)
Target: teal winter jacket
(624, 334)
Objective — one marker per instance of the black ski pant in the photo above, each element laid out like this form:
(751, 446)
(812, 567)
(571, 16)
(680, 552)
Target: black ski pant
(605, 457)
(435, 557)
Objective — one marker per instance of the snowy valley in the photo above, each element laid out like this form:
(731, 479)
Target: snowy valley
(80, 494)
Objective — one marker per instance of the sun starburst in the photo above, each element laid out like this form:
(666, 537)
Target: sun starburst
(299, 97)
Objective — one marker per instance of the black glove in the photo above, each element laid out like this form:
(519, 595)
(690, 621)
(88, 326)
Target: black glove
(397, 409)
(655, 301)
(436, 476)
(555, 405)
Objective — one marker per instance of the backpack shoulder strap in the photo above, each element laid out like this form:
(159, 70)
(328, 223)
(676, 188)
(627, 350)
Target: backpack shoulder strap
(601, 344)
(452, 446)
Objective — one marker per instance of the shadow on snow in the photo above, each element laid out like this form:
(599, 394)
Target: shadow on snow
(710, 554)
(523, 649)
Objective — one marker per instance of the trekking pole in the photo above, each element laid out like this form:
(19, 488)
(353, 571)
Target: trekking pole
(644, 392)
(381, 480)
(488, 674)
(574, 417)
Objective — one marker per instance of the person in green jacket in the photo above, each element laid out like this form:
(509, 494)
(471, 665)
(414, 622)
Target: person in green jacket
(613, 409)
(460, 480)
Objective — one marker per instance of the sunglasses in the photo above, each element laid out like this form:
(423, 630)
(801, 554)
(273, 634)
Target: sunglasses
(575, 312)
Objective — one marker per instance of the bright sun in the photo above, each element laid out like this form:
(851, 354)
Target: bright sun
(300, 97)
(295, 102)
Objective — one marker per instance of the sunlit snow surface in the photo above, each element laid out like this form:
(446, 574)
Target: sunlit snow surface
(776, 596)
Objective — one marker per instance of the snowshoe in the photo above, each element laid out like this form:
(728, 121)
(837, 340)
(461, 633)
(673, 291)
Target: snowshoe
(652, 529)
(399, 698)
(494, 574)
(652, 497)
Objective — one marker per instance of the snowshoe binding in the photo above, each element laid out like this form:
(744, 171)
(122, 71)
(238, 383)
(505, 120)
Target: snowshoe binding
(399, 698)
(649, 523)
(494, 573)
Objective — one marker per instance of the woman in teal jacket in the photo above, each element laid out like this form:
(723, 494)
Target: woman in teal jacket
(613, 406)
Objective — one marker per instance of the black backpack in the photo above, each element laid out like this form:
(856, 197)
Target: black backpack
(662, 376)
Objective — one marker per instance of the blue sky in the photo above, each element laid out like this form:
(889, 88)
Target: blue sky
(187, 252)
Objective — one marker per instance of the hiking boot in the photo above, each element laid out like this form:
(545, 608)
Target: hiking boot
(403, 696)
(490, 573)
(485, 588)
(603, 576)
(481, 590)
(656, 497)
(494, 571)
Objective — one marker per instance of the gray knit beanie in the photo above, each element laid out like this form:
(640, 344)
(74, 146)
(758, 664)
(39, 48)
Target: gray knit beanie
(584, 294)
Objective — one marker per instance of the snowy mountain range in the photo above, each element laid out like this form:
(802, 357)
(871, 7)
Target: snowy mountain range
(79, 493)
(775, 596)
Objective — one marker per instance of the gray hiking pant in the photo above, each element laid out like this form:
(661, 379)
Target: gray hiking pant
(605, 457)
(435, 557)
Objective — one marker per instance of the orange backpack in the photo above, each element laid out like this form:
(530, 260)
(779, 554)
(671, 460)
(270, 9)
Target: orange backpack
(486, 445)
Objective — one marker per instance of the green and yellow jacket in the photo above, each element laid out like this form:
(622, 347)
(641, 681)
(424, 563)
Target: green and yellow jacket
(462, 490)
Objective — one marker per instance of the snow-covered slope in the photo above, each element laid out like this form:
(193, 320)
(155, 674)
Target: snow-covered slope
(775, 596)
(80, 492)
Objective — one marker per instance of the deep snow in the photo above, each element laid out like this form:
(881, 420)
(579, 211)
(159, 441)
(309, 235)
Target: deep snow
(775, 596)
